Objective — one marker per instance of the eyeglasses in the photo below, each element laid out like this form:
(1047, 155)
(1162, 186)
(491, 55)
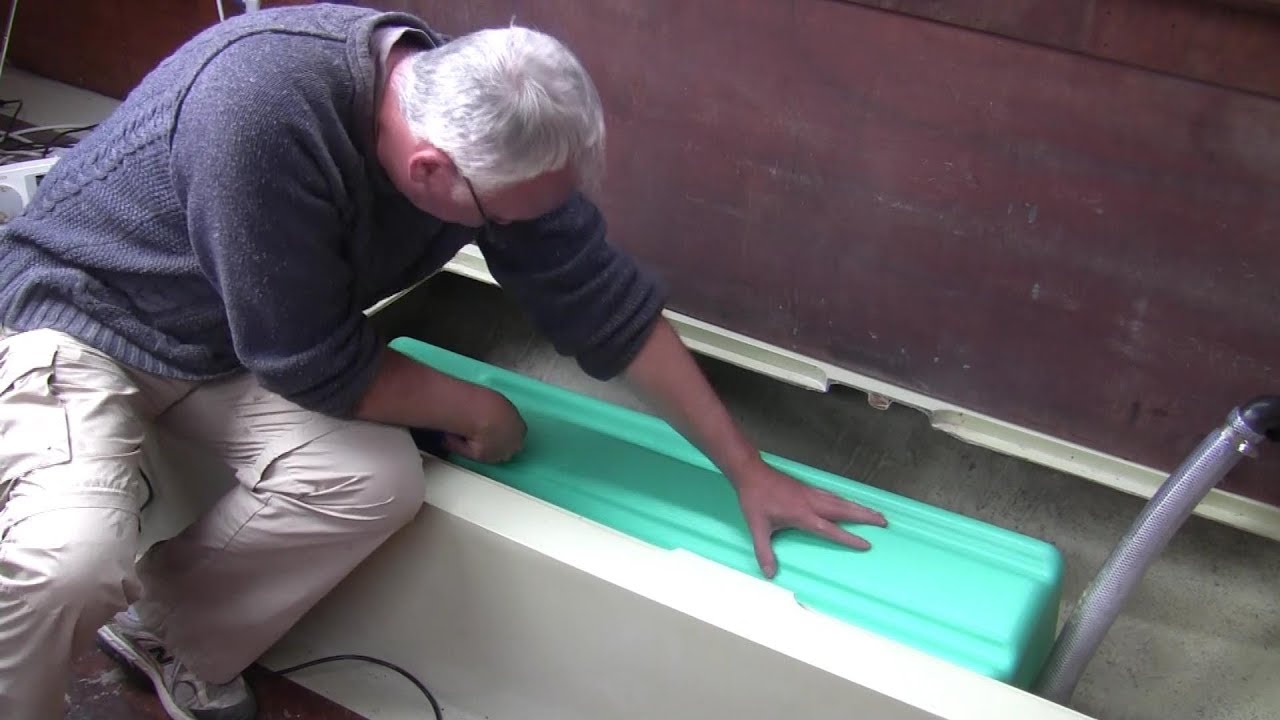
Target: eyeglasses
(476, 198)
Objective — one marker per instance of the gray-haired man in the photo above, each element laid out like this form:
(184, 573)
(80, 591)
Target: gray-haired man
(201, 262)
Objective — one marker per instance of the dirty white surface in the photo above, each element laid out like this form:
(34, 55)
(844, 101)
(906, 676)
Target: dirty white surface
(1201, 637)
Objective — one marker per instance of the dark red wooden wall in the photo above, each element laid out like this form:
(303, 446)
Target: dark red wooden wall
(107, 45)
(1063, 213)
(1218, 41)
(1069, 220)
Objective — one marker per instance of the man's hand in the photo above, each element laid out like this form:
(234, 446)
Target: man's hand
(498, 433)
(772, 501)
(477, 422)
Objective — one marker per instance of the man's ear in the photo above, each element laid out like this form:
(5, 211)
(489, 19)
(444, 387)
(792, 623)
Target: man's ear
(428, 165)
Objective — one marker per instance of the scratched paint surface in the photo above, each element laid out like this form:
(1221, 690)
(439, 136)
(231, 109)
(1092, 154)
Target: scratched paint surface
(1073, 245)
(1233, 43)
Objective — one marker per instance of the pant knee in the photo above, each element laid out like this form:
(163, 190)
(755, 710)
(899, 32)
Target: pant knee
(394, 485)
(78, 560)
(368, 475)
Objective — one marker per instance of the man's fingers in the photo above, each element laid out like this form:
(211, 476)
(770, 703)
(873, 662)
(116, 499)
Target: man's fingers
(459, 446)
(473, 450)
(835, 533)
(762, 538)
(837, 509)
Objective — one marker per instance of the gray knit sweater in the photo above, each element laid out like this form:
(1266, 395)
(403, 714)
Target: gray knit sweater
(232, 215)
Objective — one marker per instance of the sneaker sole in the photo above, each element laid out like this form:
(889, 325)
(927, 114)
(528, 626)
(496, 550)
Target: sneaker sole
(139, 668)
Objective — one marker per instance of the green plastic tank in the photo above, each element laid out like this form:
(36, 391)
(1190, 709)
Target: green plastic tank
(962, 590)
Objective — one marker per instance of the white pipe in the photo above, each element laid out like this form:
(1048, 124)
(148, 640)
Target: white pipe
(8, 30)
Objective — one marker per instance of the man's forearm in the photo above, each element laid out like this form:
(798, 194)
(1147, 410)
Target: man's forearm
(408, 393)
(667, 374)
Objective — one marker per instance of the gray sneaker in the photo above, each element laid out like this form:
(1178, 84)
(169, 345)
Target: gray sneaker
(186, 697)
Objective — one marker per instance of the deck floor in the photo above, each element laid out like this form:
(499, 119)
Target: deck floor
(101, 691)
(1198, 640)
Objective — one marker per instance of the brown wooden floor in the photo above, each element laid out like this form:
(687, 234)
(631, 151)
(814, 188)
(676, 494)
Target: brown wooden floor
(100, 691)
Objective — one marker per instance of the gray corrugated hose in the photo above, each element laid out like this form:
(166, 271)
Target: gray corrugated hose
(1172, 504)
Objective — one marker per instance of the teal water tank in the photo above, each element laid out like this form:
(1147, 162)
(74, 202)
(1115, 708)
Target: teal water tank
(960, 589)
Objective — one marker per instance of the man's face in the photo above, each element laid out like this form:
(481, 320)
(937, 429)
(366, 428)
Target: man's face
(527, 200)
(444, 193)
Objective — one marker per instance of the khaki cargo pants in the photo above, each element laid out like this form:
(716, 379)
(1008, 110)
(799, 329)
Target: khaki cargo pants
(315, 496)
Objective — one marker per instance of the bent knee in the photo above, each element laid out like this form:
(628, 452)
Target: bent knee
(369, 473)
(394, 484)
(80, 558)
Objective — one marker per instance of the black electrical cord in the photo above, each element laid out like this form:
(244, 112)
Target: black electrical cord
(53, 143)
(14, 147)
(435, 706)
(13, 119)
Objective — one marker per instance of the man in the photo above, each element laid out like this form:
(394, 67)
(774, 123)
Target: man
(201, 262)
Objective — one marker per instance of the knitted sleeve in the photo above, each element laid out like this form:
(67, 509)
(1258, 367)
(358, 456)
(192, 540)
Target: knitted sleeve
(591, 300)
(253, 170)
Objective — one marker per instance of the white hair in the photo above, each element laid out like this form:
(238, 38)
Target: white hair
(505, 105)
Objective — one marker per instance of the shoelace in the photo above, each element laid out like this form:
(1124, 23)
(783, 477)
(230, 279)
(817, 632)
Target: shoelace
(157, 652)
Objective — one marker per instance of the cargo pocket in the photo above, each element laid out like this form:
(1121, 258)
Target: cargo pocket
(33, 423)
